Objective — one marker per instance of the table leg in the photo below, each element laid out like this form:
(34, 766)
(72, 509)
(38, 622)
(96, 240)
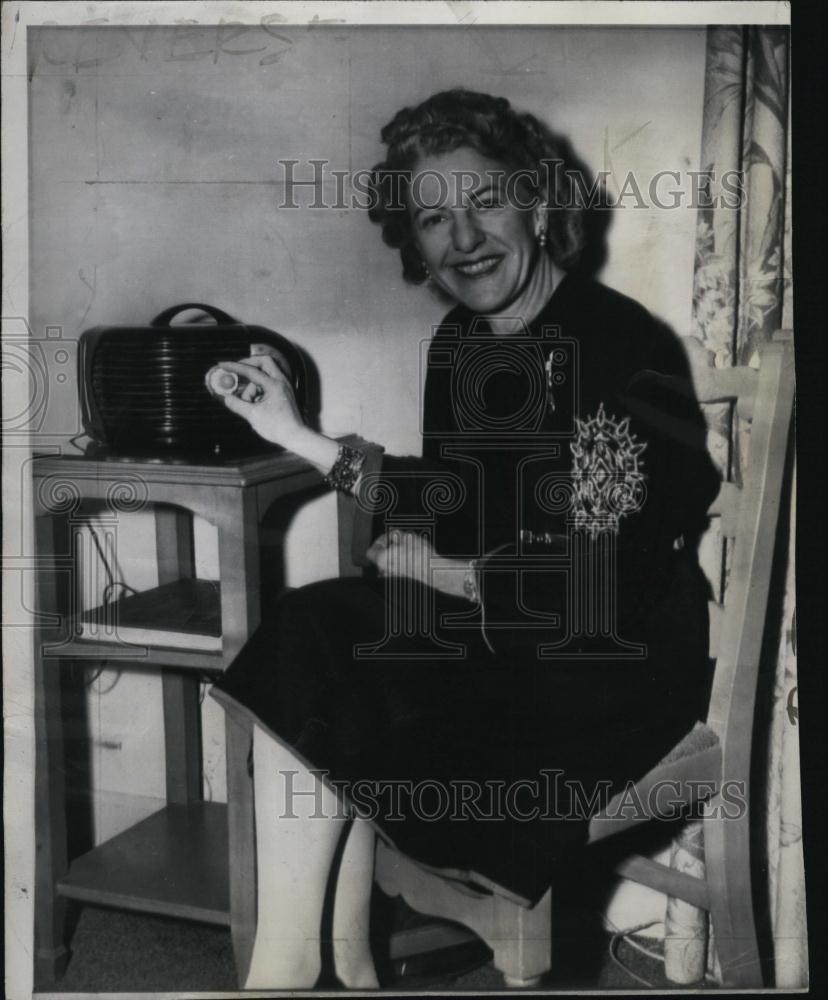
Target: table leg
(353, 533)
(174, 544)
(175, 555)
(182, 737)
(235, 514)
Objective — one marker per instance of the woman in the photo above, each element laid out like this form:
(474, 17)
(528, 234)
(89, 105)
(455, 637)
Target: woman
(538, 606)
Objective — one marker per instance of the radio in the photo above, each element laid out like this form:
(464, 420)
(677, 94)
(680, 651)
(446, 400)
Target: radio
(150, 392)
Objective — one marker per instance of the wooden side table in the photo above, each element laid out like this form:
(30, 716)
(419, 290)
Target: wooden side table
(175, 862)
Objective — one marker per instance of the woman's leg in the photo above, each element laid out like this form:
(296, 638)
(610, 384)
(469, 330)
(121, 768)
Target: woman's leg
(352, 910)
(298, 825)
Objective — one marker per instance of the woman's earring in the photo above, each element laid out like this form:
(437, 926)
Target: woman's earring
(542, 238)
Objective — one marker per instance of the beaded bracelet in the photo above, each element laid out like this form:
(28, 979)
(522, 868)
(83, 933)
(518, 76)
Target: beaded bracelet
(346, 469)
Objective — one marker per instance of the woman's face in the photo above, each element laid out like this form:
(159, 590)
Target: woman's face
(477, 240)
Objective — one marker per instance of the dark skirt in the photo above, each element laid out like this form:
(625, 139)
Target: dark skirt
(484, 763)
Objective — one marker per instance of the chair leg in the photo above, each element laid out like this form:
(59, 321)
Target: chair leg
(686, 927)
(522, 941)
(727, 863)
(241, 830)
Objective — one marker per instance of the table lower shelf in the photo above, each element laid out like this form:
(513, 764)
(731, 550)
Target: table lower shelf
(137, 656)
(173, 863)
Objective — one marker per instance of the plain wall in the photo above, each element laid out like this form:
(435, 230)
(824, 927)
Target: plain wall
(154, 180)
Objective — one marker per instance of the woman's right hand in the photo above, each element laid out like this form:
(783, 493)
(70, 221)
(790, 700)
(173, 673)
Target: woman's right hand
(267, 403)
(269, 406)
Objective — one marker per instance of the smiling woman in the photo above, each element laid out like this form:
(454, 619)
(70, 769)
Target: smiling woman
(548, 612)
(477, 245)
(517, 166)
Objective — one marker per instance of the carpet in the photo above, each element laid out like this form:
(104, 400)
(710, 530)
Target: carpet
(119, 951)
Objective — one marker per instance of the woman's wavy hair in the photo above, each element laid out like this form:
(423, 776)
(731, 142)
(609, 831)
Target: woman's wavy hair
(456, 118)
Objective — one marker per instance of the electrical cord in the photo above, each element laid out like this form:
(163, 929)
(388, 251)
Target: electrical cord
(111, 586)
(107, 591)
(97, 674)
(112, 583)
(89, 681)
(107, 568)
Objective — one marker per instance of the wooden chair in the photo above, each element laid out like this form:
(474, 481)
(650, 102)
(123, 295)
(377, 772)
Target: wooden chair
(720, 749)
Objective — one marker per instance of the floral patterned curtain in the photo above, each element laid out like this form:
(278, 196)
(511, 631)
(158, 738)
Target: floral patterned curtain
(742, 294)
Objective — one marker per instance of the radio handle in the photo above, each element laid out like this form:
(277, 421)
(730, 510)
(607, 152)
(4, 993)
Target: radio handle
(163, 318)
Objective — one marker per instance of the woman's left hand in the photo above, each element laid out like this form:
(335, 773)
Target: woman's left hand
(402, 553)
(405, 553)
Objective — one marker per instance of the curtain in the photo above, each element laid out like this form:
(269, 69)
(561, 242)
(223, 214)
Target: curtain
(741, 295)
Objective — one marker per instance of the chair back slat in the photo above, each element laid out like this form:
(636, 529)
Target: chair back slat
(721, 385)
(716, 615)
(734, 683)
(726, 506)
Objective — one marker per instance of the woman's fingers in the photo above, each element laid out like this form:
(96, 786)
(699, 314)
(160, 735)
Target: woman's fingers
(265, 363)
(384, 541)
(250, 393)
(265, 399)
(237, 405)
(377, 548)
(400, 553)
(282, 363)
(381, 552)
(253, 373)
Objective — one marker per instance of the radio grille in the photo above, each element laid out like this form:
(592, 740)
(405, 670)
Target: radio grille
(143, 390)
